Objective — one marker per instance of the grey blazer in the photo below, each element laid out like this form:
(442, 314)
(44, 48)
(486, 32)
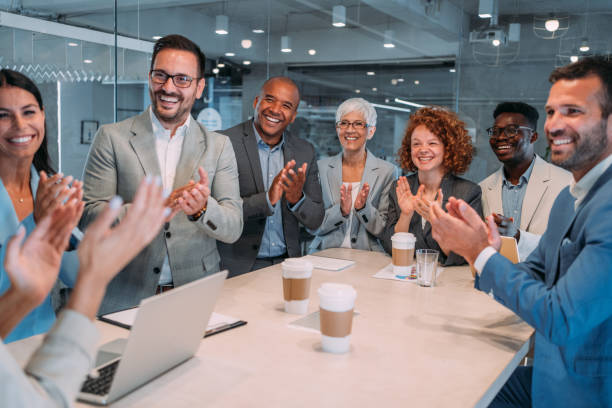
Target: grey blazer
(367, 223)
(452, 186)
(121, 155)
(240, 257)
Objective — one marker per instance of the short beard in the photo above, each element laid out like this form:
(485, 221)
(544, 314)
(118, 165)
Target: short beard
(594, 144)
(172, 119)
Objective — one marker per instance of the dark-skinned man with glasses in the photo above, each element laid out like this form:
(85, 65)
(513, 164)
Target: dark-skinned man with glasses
(521, 193)
(279, 182)
(197, 166)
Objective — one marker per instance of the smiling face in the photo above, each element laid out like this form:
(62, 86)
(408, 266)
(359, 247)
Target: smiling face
(22, 124)
(578, 136)
(426, 149)
(275, 108)
(513, 150)
(354, 140)
(172, 104)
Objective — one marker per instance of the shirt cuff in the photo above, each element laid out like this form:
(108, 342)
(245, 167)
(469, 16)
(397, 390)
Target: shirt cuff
(294, 207)
(482, 258)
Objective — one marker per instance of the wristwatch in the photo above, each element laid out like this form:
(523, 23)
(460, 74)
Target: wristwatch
(196, 216)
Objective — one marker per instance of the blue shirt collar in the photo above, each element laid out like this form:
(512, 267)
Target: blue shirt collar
(263, 144)
(524, 179)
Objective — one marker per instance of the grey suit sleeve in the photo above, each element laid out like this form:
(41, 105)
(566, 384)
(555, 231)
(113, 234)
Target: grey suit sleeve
(332, 220)
(393, 214)
(99, 178)
(311, 212)
(223, 217)
(374, 218)
(53, 376)
(256, 206)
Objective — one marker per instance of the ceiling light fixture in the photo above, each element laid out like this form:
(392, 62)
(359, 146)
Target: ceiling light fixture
(246, 62)
(388, 40)
(584, 46)
(246, 43)
(156, 37)
(574, 58)
(453, 70)
(400, 79)
(552, 24)
(222, 25)
(285, 43)
(339, 16)
(486, 8)
(357, 90)
(215, 70)
(221, 65)
(496, 42)
(230, 54)
(374, 89)
(73, 44)
(312, 51)
(258, 31)
(395, 108)
(404, 102)
(87, 61)
(370, 73)
(416, 82)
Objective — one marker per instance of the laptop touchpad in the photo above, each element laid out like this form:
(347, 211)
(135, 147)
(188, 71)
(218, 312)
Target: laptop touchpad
(110, 351)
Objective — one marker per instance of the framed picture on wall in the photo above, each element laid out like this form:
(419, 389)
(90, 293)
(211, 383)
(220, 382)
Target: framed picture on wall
(88, 130)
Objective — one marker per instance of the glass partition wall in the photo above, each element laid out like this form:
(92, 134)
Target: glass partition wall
(91, 60)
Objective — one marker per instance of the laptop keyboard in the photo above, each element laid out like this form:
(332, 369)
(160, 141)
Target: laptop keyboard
(102, 384)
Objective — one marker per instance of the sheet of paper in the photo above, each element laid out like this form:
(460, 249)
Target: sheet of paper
(387, 273)
(329, 264)
(127, 317)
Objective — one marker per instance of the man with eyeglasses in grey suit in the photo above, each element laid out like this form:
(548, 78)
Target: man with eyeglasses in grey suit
(197, 165)
(521, 193)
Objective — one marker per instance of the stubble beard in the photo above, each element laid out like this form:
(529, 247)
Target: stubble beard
(594, 144)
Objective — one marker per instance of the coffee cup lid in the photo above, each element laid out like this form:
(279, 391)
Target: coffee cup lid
(403, 237)
(297, 264)
(337, 290)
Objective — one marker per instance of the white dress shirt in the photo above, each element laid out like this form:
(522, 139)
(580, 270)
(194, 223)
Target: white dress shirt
(168, 155)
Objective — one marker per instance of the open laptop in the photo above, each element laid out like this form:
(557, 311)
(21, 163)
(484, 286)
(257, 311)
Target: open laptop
(167, 331)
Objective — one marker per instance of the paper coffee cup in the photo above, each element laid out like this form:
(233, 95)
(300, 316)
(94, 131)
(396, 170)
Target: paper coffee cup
(336, 304)
(402, 252)
(297, 274)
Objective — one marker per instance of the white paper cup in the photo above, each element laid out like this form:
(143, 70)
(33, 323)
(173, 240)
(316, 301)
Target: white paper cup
(297, 274)
(336, 303)
(402, 252)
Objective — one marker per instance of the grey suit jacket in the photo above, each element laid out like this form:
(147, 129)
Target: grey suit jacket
(545, 184)
(452, 186)
(367, 223)
(121, 155)
(240, 257)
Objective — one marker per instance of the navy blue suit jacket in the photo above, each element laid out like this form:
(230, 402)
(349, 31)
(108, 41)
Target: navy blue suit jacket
(564, 290)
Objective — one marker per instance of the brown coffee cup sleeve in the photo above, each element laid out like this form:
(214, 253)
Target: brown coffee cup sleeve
(336, 324)
(296, 289)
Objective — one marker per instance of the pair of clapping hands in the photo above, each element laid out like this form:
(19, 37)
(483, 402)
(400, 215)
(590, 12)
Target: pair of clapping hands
(288, 182)
(409, 203)
(346, 198)
(32, 265)
(192, 197)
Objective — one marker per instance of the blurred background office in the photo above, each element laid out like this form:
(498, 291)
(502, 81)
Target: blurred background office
(91, 60)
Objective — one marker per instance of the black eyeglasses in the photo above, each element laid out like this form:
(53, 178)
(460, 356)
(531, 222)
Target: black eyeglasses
(179, 80)
(509, 131)
(357, 125)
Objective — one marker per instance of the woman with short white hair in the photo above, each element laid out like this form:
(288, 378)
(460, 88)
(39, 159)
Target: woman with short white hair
(355, 184)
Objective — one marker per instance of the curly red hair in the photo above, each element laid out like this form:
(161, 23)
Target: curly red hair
(450, 129)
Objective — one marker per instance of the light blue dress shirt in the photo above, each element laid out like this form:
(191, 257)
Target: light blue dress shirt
(41, 318)
(272, 162)
(513, 196)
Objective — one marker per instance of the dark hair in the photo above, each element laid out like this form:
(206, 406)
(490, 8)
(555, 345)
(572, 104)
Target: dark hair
(41, 161)
(600, 66)
(529, 112)
(450, 129)
(178, 42)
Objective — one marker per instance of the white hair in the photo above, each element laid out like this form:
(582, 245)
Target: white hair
(357, 105)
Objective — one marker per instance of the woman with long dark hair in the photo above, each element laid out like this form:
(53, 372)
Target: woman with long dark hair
(29, 187)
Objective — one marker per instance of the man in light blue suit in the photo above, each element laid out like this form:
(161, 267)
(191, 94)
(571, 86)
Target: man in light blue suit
(564, 288)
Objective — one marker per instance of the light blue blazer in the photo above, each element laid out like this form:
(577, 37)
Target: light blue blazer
(41, 318)
(564, 291)
(367, 223)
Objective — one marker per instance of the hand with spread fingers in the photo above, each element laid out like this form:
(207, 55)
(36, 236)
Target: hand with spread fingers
(362, 197)
(346, 195)
(292, 183)
(405, 199)
(53, 191)
(422, 204)
(461, 230)
(193, 200)
(276, 191)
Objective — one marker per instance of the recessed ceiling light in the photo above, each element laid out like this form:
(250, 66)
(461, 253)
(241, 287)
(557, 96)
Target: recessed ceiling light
(87, 61)
(357, 90)
(584, 47)
(246, 43)
(496, 43)
(215, 70)
(230, 54)
(394, 81)
(375, 89)
(312, 51)
(156, 37)
(258, 31)
(552, 24)
(370, 73)
(221, 65)
(246, 62)
(574, 58)
(400, 79)
(73, 44)
(416, 82)
(221, 25)
(452, 70)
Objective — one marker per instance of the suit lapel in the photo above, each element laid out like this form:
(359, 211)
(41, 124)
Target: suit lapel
(250, 146)
(334, 177)
(143, 143)
(493, 190)
(536, 187)
(370, 171)
(192, 150)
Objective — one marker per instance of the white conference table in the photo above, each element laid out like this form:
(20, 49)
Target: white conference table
(411, 346)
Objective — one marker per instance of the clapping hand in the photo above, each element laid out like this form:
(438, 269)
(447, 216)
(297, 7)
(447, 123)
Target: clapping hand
(54, 191)
(422, 204)
(362, 197)
(193, 197)
(405, 199)
(346, 199)
(292, 183)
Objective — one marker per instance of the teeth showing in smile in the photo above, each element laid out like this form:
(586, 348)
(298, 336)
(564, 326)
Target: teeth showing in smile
(503, 147)
(558, 142)
(168, 99)
(273, 120)
(351, 138)
(425, 159)
(23, 139)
